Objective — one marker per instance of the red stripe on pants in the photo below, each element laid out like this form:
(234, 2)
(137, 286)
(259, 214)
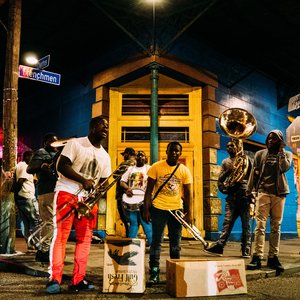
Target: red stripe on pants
(83, 232)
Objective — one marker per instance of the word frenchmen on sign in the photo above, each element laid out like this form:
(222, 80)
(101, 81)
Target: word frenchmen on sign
(39, 75)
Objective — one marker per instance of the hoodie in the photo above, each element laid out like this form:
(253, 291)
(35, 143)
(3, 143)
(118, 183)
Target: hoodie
(278, 133)
(284, 162)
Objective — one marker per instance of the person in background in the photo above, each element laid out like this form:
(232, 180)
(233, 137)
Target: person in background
(83, 165)
(169, 198)
(25, 199)
(128, 154)
(269, 183)
(237, 204)
(132, 181)
(42, 165)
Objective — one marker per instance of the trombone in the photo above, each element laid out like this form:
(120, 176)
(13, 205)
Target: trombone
(192, 229)
(83, 208)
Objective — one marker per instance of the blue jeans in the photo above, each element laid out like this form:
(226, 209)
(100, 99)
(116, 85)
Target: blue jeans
(135, 219)
(28, 212)
(161, 218)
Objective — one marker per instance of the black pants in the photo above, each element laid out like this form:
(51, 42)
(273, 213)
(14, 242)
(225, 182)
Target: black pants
(237, 205)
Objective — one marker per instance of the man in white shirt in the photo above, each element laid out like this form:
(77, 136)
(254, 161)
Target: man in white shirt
(83, 165)
(134, 182)
(25, 197)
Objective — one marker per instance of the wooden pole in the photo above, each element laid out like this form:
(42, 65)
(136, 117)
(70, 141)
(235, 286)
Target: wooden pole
(10, 126)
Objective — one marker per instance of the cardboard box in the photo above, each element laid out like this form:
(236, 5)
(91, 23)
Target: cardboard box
(193, 278)
(124, 266)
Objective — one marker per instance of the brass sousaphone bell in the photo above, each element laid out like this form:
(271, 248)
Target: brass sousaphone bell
(237, 123)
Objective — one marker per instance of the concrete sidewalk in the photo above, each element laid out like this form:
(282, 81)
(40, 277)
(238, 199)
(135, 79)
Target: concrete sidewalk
(24, 262)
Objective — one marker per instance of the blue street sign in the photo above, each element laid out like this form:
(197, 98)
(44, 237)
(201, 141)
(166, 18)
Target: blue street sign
(43, 62)
(39, 75)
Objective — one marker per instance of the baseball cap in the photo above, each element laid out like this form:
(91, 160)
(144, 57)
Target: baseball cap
(129, 151)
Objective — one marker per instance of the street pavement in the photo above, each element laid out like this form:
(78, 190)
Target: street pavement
(23, 262)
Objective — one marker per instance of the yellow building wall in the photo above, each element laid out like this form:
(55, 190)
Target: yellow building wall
(192, 151)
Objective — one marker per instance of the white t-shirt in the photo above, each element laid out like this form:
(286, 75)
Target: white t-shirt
(28, 188)
(136, 177)
(87, 160)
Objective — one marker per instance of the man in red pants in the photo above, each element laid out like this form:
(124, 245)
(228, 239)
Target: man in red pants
(83, 164)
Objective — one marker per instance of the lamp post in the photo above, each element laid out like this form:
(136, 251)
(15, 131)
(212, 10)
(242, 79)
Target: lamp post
(154, 95)
(9, 123)
(154, 114)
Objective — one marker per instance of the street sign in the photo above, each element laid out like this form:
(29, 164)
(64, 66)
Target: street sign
(44, 62)
(294, 103)
(39, 75)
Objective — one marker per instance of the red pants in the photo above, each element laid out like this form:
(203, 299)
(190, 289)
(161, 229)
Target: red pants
(63, 203)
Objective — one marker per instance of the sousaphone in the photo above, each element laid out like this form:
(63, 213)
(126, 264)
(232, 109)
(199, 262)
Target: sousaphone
(238, 124)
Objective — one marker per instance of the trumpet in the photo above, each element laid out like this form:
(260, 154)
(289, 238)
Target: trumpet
(192, 229)
(83, 208)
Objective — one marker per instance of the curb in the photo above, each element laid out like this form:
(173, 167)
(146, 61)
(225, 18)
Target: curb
(9, 266)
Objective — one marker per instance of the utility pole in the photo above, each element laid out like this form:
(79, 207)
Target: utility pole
(10, 127)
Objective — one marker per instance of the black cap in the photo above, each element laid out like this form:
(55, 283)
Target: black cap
(129, 151)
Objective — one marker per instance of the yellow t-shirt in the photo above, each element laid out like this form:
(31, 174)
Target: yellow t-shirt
(170, 195)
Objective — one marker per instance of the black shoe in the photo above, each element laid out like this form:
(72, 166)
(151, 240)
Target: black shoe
(246, 252)
(42, 257)
(53, 287)
(216, 249)
(255, 263)
(274, 263)
(97, 240)
(154, 276)
(83, 285)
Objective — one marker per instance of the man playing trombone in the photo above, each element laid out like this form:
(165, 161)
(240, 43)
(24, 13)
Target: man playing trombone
(175, 180)
(82, 165)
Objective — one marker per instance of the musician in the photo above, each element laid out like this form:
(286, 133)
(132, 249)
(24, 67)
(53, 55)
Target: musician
(128, 154)
(135, 178)
(269, 183)
(83, 165)
(169, 198)
(25, 199)
(237, 205)
(42, 165)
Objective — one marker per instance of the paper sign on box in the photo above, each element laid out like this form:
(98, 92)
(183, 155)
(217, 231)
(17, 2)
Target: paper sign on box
(124, 266)
(192, 278)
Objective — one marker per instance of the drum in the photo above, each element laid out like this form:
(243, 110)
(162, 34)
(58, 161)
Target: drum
(133, 203)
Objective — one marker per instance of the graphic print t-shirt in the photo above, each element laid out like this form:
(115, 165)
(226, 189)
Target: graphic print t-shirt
(87, 160)
(170, 195)
(136, 177)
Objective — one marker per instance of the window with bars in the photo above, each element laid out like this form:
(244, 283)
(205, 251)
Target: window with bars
(168, 105)
(167, 134)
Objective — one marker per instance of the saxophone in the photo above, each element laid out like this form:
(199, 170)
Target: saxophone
(237, 123)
